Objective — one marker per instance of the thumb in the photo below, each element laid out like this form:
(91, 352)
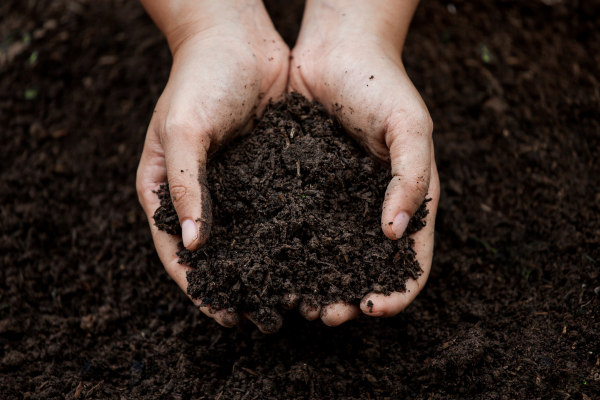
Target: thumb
(410, 153)
(185, 157)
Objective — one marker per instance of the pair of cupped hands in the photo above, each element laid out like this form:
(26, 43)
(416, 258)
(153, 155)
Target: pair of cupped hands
(229, 62)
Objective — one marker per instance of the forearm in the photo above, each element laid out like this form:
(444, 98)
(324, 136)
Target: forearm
(386, 20)
(180, 19)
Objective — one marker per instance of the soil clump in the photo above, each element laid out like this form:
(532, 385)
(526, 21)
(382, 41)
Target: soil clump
(296, 209)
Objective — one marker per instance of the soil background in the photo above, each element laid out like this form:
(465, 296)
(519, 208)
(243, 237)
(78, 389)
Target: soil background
(510, 310)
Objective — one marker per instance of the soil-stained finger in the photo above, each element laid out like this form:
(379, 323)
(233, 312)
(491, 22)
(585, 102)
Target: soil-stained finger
(167, 247)
(411, 174)
(379, 305)
(222, 317)
(308, 312)
(289, 300)
(266, 319)
(186, 170)
(338, 313)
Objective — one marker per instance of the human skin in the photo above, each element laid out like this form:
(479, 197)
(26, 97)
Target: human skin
(228, 61)
(348, 57)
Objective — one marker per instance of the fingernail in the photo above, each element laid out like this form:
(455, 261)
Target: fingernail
(400, 224)
(228, 319)
(189, 232)
(367, 308)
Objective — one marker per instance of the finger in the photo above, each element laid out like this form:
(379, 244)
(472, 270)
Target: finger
(166, 246)
(289, 300)
(186, 150)
(338, 313)
(409, 141)
(309, 312)
(379, 305)
(151, 174)
(267, 320)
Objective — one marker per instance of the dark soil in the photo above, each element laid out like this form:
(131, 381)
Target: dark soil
(510, 310)
(296, 209)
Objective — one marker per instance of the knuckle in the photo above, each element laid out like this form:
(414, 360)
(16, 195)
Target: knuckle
(413, 190)
(184, 127)
(417, 191)
(179, 191)
(420, 123)
(176, 124)
(183, 121)
(415, 121)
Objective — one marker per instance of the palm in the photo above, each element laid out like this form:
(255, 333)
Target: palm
(363, 86)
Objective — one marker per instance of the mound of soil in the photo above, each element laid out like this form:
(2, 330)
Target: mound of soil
(296, 209)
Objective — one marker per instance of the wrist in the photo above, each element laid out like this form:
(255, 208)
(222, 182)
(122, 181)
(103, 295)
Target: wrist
(384, 22)
(181, 20)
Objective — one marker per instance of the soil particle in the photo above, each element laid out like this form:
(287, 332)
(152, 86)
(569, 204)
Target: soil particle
(370, 306)
(296, 210)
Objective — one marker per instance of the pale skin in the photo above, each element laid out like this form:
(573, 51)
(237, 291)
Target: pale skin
(228, 61)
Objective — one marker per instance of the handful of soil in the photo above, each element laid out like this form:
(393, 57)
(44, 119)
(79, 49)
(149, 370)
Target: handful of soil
(296, 209)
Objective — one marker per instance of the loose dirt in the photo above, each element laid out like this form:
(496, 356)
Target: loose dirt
(296, 210)
(510, 309)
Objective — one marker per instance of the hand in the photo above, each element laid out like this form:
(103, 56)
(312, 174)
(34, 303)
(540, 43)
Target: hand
(227, 63)
(348, 57)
